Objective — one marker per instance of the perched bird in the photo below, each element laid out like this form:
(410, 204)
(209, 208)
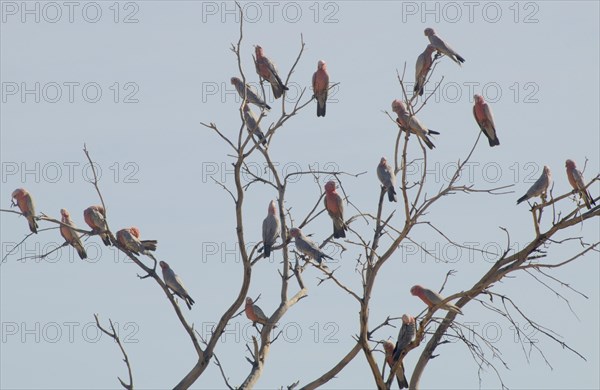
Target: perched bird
(540, 187)
(267, 70)
(485, 120)
(387, 177)
(406, 335)
(130, 239)
(71, 235)
(255, 313)
(422, 68)
(270, 228)
(412, 123)
(576, 180)
(252, 125)
(442, 46)
(320, 84)
(431, 299)
(26, 205)
(95, 217)
(174, 282)
(388, 347)
(251, 96)
(307, 247)
(334, 204)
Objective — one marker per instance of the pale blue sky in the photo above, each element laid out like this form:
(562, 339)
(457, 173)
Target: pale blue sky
(157, 160)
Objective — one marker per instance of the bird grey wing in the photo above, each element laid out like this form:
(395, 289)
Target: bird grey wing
(180, 288)
(314, 82)
(265, 230)
(341, 206)
(440, 44)
(405, 336)
(30, 204)
(251, 122)
(382, 175)
(75, 238)
(419, 67)
(259, 313)
(417, 126)
(270, 230)
(538, 187)
(433, 297)
(253, 97)
(271, 66)
(490, 117)
(578, 176)
(98, 220)
(308, 246)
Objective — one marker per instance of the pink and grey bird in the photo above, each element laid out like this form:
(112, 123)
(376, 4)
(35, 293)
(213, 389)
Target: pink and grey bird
(540, 187)
(422, 68)
(307, 247)
(252, 125)
(412, 123)
(255, 313)
(70, 235)
(576, 180)
(389, 348)
(25, 203)
(485, 120)
(173, 281)
(95, 217)
(387, 177)
(442, 46)
(251, 96)
(129, 238)
(320, 84)
(270, 228)
(431, 299)
(267, 70)
(334, 204)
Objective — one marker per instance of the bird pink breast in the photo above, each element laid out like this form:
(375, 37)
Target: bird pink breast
(321, 80)
(65, 231)
(332, 202)
(250, 312)
(480, 111)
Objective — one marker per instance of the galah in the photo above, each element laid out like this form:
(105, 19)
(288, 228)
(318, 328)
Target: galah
(251, 96)
(270, 228)
(424, 62)
(540, 187)
(307, 247)
(387, 177)
(412, 123)
(25, 202)
(255, 313)
(485, 119)
(95, 217)
(129, 238)
(174, 282)
(576, 180)
(320, 84)
(388, 347)
(267, 70)
(71, 235)
(442, 46)
(252, 125)
(334, 204)
(431, 299)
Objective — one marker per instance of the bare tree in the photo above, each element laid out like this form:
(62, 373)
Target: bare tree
(376, 235)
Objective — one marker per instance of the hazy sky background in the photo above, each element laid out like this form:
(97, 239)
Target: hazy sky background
(168, 70)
